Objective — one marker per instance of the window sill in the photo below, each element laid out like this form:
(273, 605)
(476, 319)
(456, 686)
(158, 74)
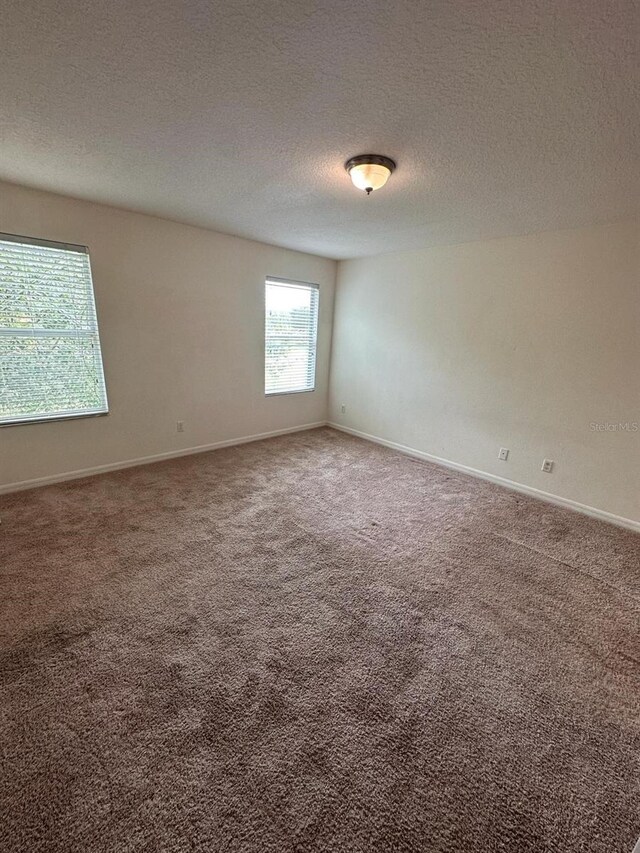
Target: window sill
(283, 393)
(47, 420)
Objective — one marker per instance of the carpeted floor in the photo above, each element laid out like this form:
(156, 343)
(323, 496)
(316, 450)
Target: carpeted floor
(314, 644)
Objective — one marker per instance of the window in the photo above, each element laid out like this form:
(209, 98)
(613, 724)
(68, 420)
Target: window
(291, 331)
(50, 361)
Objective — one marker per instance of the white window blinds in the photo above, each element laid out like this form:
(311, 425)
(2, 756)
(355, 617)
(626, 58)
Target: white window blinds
(291, 331)
(50, 360)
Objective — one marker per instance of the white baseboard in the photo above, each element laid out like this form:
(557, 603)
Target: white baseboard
(601, 514)
(593, 512)
(145, 460)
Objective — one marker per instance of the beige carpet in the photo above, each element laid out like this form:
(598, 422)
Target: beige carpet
(314, 644)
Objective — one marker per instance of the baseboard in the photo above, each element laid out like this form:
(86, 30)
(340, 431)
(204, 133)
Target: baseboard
(146, 460)
(591, 511)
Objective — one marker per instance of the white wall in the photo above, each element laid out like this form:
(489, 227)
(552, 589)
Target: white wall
(181, 317)
(518, 342)
(454, 351)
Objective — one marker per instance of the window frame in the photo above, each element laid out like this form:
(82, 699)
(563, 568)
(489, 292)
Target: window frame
(72, 416)
(303, 285)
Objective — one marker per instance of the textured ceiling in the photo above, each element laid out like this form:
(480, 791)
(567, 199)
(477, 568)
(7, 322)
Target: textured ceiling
(505, 116)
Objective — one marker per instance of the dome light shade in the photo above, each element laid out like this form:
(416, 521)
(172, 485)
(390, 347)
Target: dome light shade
(369, 171)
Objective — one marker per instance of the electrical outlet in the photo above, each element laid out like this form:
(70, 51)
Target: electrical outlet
(504, 454)
(343, 408)
(179, 426)
(547, 466)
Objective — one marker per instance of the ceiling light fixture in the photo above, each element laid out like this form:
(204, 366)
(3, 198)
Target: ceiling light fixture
(369, 171)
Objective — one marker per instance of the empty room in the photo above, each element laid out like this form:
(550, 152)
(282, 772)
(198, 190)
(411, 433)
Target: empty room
(320, 426)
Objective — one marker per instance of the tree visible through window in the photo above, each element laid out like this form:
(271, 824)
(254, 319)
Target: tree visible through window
(291, 329)
(50, 359)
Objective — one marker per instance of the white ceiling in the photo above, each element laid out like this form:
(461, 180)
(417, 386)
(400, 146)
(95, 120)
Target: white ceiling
(505, 116)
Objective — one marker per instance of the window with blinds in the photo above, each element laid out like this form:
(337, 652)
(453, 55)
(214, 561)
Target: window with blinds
(291, 331)
(50, 360)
